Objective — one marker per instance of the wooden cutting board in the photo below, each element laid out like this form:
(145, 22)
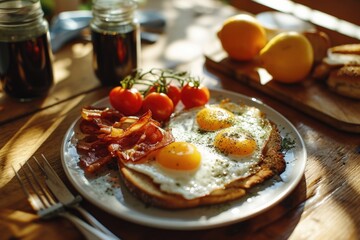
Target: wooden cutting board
(310, 96)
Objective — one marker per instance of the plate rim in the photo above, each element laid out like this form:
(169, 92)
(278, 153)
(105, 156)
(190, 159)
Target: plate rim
(151, 221)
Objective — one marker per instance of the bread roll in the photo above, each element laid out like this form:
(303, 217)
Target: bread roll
(345, 81)
(348, 54)
(337, 57)
(346, 49)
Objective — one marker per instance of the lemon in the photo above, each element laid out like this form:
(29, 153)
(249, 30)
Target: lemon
(288, 57)
(242, 37)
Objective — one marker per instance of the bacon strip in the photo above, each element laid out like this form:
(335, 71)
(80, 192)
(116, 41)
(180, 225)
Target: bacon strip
(113, 136)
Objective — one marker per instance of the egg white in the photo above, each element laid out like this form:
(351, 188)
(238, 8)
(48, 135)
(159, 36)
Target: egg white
(216, 169)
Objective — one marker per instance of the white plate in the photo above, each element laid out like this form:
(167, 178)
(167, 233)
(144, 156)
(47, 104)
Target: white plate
(107, 192)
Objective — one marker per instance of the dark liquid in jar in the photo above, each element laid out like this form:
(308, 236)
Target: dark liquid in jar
(114, 55)
(26, 68)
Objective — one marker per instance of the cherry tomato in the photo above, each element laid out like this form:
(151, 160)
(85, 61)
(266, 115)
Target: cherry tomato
(192, 96)
(160, 105)
(126, 101)
(174, 93)
(152, 89)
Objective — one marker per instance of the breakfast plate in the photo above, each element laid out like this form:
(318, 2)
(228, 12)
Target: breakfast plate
(106, 190)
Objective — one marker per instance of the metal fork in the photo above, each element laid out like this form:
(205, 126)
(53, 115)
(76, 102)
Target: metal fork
(42, 201)
(63, 194)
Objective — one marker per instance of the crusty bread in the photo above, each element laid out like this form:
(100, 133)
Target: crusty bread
(346, 49)
(347, 54)
(345, 81)
(145, 189)
(337, 57)
(341, 70)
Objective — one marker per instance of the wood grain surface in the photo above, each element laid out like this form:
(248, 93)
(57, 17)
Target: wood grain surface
(325, 204)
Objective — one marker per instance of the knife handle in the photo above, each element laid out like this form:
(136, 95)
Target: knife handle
(93, 221)
(89, 232)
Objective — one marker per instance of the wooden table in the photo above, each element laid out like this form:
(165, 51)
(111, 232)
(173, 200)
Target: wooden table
(325, 205)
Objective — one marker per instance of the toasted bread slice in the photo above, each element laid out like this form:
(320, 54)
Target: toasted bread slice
(145, 189)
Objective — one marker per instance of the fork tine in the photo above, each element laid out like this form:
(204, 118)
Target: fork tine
(29, 189)
(21, 181)
(39, 165)
(30, 198)
(46, 175)
(42, 193)
(50, 167)
(45, 161)
(36, 192)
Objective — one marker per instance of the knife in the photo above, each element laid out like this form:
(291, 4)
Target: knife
(63, 194)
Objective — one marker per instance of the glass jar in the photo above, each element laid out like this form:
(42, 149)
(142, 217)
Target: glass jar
(25, 55)
(115, 37)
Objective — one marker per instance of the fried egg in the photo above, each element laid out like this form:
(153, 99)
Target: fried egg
(214, 146)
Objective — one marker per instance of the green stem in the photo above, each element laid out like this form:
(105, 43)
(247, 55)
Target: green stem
(160, 78)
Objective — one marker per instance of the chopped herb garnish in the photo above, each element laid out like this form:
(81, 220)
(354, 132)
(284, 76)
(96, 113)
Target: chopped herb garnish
(287, 144)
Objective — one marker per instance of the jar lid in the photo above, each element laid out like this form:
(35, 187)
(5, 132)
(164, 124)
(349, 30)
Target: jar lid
(113, 10)
(20, 11)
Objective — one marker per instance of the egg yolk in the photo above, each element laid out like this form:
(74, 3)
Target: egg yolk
(214, 118)
(234, 143)
(179, 156)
